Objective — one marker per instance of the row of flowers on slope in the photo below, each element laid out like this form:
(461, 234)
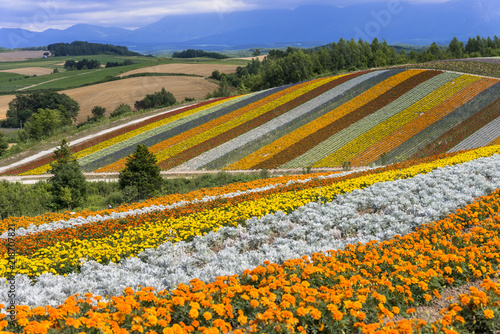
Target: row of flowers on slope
(174, 145)
(378, 132)
(314, 126)
(358, 288)
(203, 194)
(59, 251)
(396, 138)
(378, 212)
(106, 136)
(92, 147)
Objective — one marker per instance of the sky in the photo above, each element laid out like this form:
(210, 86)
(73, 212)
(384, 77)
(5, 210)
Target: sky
(39, 15)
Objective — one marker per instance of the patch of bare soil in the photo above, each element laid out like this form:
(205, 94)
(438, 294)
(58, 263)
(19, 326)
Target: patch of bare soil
(30, 71)
(4, 105)
(111, 94)
(20, 55)
(189, 68)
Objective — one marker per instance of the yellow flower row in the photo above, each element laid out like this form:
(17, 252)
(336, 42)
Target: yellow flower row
(392, 124)
(135, 240)
(93, 149)
(297, 135)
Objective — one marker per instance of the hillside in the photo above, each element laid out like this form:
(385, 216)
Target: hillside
(360, 118)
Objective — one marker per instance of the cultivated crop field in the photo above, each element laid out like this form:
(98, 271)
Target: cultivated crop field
(345, 252)
(111, 94)
(204, 70)
(358, 119)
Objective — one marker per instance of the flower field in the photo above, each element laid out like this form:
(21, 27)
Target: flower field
(344, 252)
(354, 118)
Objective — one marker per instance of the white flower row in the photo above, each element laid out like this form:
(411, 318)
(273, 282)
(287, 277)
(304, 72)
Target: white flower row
(260, 131)
(74, 222)
(481, 137)
(375, 213)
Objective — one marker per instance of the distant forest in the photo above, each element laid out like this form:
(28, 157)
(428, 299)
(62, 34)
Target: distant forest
(192, 53)
(78, 48)
(282, 67)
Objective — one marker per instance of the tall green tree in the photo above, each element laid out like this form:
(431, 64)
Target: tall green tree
(43, 123)
(69, 187)
(3, 144)
(141, 178)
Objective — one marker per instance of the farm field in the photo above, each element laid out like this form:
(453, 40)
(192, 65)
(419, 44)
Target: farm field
(111, 94)
(360, 118)
(351, 251)
(204, 70)
(20, 55)
(30, 71)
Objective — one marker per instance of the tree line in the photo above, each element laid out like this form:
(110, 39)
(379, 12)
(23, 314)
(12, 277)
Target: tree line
(192, 53)
(292, 65)
(79, 48)
(83, 64)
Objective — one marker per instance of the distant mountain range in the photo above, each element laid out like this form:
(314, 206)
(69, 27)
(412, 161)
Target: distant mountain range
(394, 21)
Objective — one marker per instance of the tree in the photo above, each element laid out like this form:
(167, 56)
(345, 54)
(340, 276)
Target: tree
(43, 123)
(24, 105)
(256, 53)
(98, 112)
(141, 176)
(3, 144)
(67, 176)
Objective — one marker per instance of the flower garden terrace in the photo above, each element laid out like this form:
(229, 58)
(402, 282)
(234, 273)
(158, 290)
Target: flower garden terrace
(361, 118)
(319, 253)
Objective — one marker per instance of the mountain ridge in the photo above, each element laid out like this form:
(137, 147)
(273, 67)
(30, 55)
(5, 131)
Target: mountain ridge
(395, 22)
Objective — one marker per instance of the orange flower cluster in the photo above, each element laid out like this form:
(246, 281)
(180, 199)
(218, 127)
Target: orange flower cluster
(349, 290)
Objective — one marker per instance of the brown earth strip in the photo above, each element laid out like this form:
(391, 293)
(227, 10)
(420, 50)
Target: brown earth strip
(314, 139)
(458, 133)
(30, 71)
(245, 127)
(20, 55)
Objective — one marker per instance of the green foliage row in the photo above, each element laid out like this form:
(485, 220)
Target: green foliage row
(78, 48)
(83, 64)
(192, 53)
(292, 65)
(156, 100)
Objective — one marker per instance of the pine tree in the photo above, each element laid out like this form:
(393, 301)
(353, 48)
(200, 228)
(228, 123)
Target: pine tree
(140, 179)
(67, 176)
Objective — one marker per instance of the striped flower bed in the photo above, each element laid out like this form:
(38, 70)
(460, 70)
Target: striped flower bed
(281, 144)
(362, 142)
(418, 124)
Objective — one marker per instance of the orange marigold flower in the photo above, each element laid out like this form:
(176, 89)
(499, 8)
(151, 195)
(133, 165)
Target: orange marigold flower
(488, 314)
(207, 315)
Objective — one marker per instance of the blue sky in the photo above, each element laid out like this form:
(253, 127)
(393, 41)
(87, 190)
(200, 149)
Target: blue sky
(39, 15)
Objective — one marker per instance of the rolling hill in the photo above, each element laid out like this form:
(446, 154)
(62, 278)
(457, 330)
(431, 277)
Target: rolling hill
(361, 118)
